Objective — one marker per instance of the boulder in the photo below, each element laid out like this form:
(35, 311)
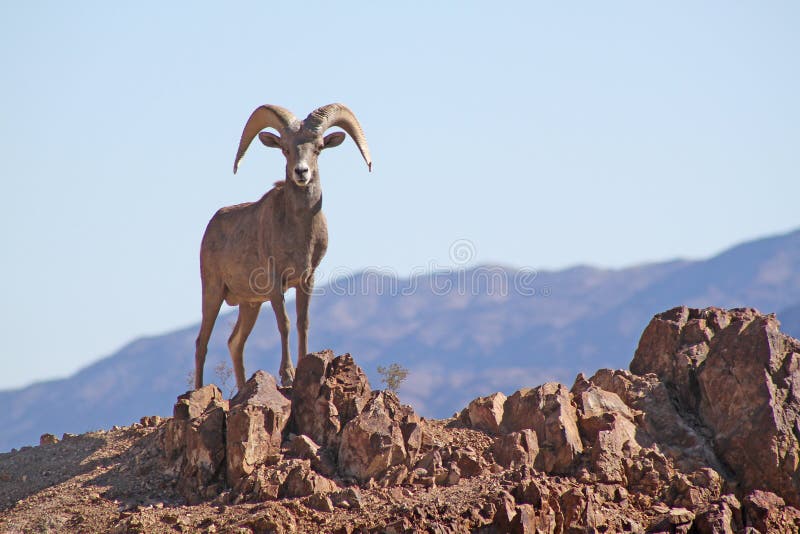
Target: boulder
(373, 441)
(321, 459)
(468, 462)
(767, 512)
(517, 448)
(486, 413)
(194, 442)
(302, 481)
(721, 517)
(255, 423)
(659, 420)
(547, 410)
(607, 424)
(327, 393)
(734, 376)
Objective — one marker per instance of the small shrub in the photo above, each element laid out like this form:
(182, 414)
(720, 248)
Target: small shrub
(392, 376)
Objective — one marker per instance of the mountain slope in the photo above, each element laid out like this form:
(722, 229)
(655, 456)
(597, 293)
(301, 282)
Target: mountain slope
(461, 334)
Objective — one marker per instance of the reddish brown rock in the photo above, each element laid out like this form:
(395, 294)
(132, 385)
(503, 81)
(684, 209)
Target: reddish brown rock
(676, 342)
(255, 423)
(48, 439)
(328, 392)
(468, 462)
(734, 377)
(594, 404)
(675, 520)
(659, 420)
(194, 442)
(486, 413)
(517, 448)
(581, 509)
(547, 410)
(607, 424)
(193, 403)
(373, 441)
(767, 512)
(302, 481)
(505, 511)
(720, 517)
(304, 448)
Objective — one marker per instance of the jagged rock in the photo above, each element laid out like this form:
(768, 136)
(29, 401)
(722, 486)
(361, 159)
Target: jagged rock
(321, 459)
(649, 473)
(594, 405)
(611, 445)
(302, 481)
(394, 476)
(468, 462)
(697, 489)
(373, 441)
(548, 411)
(150, 420)
(735, 377)
(675, 342)
(486, 413)
(505, 511)
(327, 393)
(348, 498)
(431, 461)
(517, 448)
(319, 501)
(720, 517)
(675, 520)
(48, 439)
(194, 441)
(286, 478)
(452, 476)
(255, 423)
(658, 420)
(767, 512)
(193, 403)
(606, 423)
(265, 482)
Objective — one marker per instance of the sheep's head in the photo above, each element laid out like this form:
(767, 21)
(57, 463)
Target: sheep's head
(302, 142)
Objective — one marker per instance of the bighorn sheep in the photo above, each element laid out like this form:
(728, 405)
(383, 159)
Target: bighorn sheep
(252, 253)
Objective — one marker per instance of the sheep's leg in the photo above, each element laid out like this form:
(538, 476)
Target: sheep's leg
(287, 370)
(302, 299)
(248, 313)
(212, 300)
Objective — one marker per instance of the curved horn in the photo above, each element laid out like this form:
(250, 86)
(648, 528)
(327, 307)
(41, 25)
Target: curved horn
(339, 115)
(266, 116)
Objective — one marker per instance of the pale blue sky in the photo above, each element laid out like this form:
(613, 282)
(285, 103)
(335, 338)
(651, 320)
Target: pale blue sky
(546, 133)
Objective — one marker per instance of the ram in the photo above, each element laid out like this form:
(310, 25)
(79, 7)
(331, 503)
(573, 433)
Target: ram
(252, 253)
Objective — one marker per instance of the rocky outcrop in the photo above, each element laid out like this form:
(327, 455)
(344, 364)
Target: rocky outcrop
(255, 423)
(701, 435)
(486, 413)
(385, 434)
(348, 433)
(547, 410)
(328, 392)
(736, 378)
(517, 448)
(194, 442)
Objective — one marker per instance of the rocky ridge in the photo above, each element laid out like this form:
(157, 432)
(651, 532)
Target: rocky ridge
(701, 435)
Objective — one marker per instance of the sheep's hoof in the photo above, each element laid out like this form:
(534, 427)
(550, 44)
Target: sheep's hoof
(287, 377)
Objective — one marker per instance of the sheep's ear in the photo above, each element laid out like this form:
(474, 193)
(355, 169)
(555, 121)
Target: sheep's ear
(270, 139)
(334, 139)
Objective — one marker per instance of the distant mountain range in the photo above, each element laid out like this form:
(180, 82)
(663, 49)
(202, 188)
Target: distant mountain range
(461, 334)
